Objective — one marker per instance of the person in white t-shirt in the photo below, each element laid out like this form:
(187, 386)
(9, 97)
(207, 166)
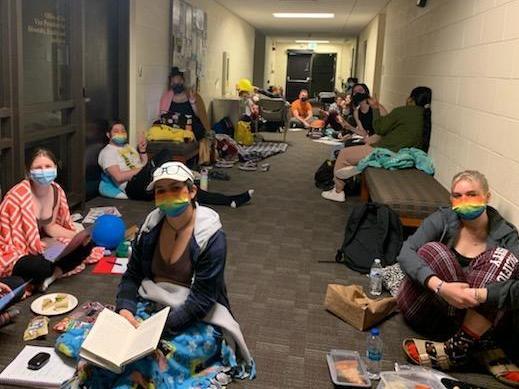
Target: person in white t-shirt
(129, 168)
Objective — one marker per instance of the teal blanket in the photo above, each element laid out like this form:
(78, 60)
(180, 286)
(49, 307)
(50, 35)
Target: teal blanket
(405, 159)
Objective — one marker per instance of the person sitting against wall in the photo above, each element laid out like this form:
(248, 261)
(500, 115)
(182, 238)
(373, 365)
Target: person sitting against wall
(128, 171)
(451, 259)
(178, 259)
(402, 127)
(184, 102)
(302, 112)
(33, 214)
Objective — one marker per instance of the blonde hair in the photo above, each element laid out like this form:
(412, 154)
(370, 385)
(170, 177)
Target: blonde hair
(473, 176)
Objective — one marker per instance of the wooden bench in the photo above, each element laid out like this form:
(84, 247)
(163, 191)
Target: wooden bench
(411, 193)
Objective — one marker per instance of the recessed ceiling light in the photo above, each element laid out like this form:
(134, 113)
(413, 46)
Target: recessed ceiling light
(304, 15)
(311, 41)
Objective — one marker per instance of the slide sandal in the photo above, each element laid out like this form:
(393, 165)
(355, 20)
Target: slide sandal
(426, 354)
(499, 365)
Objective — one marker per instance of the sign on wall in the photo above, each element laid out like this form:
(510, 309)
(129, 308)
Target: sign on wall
(188, 40)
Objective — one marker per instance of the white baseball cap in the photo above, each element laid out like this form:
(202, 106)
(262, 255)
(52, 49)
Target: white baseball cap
(173, 171)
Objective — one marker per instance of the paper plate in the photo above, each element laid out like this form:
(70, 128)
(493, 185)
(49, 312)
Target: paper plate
(46, 304)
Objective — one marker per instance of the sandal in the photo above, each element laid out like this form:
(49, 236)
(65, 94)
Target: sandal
(499, 365)
(265, 167)
(249, 166)
(435, 358)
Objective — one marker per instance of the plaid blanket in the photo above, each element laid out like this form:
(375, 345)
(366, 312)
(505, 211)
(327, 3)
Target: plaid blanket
(261, 150)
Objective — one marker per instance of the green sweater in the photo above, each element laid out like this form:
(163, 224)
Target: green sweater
(400, 128)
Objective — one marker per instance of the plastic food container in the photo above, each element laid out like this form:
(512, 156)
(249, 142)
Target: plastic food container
(408, 380)
(347, 369)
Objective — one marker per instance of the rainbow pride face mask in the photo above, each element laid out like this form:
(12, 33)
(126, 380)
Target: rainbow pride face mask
(120, 139)
(172, 204)
(469, 208)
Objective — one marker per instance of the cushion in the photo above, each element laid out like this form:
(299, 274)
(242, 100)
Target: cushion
(409, 192)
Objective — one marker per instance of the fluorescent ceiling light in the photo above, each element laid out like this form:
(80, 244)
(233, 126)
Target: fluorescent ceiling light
(311, 41)
(304, 15)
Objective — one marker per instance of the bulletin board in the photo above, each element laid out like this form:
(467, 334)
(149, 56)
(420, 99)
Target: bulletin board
(188, 28)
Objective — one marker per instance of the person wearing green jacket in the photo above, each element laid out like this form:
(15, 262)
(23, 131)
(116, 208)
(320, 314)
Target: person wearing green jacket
(406, 126)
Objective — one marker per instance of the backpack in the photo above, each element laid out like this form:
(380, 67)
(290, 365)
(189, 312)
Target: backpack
(373, 231)
(324, 175)
(224, 126)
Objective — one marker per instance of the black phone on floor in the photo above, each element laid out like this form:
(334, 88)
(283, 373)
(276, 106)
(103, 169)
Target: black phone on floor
(38, 361)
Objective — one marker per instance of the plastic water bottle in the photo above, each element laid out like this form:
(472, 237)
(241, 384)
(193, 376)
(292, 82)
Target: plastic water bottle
(204, 179)
(375, 278)
(374, 348)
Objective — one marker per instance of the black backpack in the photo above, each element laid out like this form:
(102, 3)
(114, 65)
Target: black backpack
(373, 231)
(324, 175)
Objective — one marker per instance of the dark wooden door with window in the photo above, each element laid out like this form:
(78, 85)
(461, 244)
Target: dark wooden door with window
(299, 73)
(42, 86)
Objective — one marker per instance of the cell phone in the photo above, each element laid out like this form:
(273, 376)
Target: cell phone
(38, 361)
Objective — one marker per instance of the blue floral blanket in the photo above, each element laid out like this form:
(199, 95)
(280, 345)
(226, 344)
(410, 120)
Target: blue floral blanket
(194, 359)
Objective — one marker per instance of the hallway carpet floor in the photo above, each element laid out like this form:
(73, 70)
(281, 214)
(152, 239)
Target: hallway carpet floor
(281, 250)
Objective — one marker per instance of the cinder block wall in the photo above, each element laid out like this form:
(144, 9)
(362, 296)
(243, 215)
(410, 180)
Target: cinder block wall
(467, 51)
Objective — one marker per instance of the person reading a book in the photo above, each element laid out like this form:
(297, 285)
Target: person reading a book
(32, 214)
(178, 260)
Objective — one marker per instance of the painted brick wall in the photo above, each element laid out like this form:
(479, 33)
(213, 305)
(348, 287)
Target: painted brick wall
(467, 51)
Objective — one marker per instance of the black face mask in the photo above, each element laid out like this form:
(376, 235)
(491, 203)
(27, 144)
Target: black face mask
(304, 98)
(177, 88)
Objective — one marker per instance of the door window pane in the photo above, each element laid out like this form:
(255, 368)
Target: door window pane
(37, 121)
(46, 50)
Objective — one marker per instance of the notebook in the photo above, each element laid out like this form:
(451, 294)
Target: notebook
(111, 265)
(113, 342)
(6, 299)
(56, 250)
(55, 373)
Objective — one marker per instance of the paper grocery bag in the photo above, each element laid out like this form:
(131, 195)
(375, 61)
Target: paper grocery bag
(351, 304)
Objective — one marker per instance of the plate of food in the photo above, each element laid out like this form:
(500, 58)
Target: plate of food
(54, 304)
(347, 369)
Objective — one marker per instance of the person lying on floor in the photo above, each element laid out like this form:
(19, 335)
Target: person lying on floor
(302, 112)
(469, 245)
(33, 213)
(178, 259)
(402, 127)
(130, 171)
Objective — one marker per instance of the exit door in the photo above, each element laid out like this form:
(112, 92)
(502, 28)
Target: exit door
(299, 73)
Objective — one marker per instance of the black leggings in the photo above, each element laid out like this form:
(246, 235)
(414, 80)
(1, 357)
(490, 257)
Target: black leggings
(136, 187)
(37, 268)
(213, 198)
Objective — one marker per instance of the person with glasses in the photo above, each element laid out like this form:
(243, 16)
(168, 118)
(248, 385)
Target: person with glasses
(180, 249)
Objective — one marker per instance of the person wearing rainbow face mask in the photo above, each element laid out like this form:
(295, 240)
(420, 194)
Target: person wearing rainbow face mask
(33, 213)
(449, 261)
(180, 250)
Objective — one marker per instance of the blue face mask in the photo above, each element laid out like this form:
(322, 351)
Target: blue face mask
(44, 176)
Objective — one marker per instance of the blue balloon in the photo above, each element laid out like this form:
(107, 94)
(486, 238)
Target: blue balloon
(108, 231)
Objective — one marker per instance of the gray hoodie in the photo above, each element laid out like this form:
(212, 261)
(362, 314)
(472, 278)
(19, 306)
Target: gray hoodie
(443, 226)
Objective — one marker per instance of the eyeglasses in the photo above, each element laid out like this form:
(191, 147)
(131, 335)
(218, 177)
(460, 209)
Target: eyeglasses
(171, 169)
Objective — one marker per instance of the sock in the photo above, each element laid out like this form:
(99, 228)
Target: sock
(233, 204)
(251, 192)
(241, 199)
(46, 283)
(457, 348)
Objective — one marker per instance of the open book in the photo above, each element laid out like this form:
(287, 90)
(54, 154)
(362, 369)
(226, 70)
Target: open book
(113, 342)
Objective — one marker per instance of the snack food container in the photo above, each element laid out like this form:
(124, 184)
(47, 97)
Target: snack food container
(347, 369)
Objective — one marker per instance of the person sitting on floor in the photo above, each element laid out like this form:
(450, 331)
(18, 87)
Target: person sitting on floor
(302, 113)
(9, 285)
(180, 251)
(337, 116)
(178, 100)
(127, 168)
(131, 171)
(469, 245)
(402, 127)
(33, 213)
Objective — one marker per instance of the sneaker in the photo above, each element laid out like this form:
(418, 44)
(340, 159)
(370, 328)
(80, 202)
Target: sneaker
(334, 196)
(249, 166)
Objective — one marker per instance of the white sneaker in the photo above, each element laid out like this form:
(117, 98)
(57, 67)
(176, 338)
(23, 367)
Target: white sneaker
(334, 196)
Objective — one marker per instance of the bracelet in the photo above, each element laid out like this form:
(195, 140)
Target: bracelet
(437, 289)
